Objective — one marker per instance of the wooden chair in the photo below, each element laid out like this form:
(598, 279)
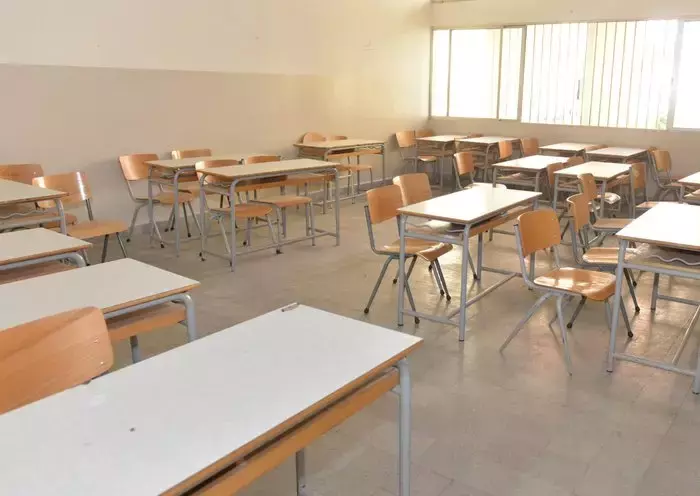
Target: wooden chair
(596, 258)
(247, 211)
(311, 137)
(539, 230)
(464, 171)
(661, 174)
(408, 150)
(424, 133)
(638, 171)
(134, 170)
(529, 146)
(382, 205)
(76, 186)
(193, 153)
(50, 355)
(606, 225)
(504, 151)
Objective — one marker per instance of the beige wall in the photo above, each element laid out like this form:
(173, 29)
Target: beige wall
(684, 145)
(82, 82)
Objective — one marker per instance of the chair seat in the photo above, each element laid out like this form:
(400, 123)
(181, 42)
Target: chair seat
(647, 205)
(70, 220)
(246, 210)
(607, 255)
(354, 167)
(518, 176)
(597, 286)
(283, 201)
(168, 197)
(41, 269)
(426, 250)
(96, 228)
(427, 158)
(610, 224)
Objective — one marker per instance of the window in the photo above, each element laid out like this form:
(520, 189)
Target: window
(476, 73)
(626, 74)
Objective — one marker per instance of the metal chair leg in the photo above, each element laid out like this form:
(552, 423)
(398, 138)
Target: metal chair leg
(171, 220)
(524, 320)
(195, 217)
(408, 289)
(313, 224)
(187, 222)
(121, 245)
(133, 221)
(377, 284)
(562, 327)
(441, 276)
(135, 351)
(630, 334)
(578, 309)
(630, 284)
(275, 239)
(104, 248)
(655, 292)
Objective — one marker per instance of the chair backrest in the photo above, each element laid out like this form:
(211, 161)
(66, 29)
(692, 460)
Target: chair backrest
(595, 147)
(576, 160)
(134, 166)
(211, 164)
(539, 230)
(638, 171)
(310, 137)
(406, 139)
(52, 354)
(662, 160)
(21, 173)
(579, 211)
(551, 169)
(529, 146)
(260, 159)
(415, 187)
(505, 150)
(464, 162)
(336, 137)
(196, 153)
(424, 133)
(73, 183)
(588, 186)
(383, 202)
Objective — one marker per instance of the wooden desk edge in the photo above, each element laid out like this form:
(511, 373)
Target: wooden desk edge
(524, 201)
(146, 299)
(37, 256)
(220, 468)
(34, 199)
(637, 239)
(321, 168)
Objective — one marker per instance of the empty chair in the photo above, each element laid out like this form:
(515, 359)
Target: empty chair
(539, 230)
(464, 171)
(408, 150)
(662, 175)
(78, 192)
(247, 211)
(192, 153)
(49, 355)
(382, 205)
(311, 137)
(21, 173)
(529, 146)
(134, 170)
(638, 172)
(337, 137)
(598, 258)
(589, 189)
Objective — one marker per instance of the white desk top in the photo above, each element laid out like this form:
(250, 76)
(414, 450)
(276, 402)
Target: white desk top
(469, 206)
(12, 192)
(617, 151)
(602, 171)
(346, 143)
(185, 163)
(486, 140)
(143, 429)
(568, 147)
(269, 168)
(29, 244)
(108, 286)
(443, 138)
(691, 180)
(675, 225)
(533, 162)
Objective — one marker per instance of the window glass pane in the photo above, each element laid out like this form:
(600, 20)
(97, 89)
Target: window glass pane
(474, 72)
(511, 54)
(440, 72)
(687, 112)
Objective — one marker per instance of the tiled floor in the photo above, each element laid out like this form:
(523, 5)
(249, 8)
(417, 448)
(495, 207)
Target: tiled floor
(484, 423)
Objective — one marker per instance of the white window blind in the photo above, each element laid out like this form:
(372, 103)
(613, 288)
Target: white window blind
(440, 72)
(687, 109)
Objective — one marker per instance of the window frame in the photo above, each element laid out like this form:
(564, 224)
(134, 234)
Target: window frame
(670, 127)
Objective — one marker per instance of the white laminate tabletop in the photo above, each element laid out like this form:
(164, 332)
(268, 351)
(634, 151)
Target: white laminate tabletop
(346, 143)
(567, 147)
(108, 286)
(269, 168)
(185, 163)
(675, 225)
(443, 138)
(13, 192)
(486, 140)
(601, 171)
(533, 162)
(617, 151)
(471, 205)
(145, 428)
(30, 244)
(691, 180)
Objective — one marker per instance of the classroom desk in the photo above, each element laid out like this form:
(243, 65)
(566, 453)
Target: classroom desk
(618, 154)
(333, 150)
(440, 146)
(567, 149)
(603, 172)
(234, 174)
(532, 165)
(14, 194)
(472, 211)
(171, 170)
(117, 288)
(36, 246)
(668, 225)
(486, 144)
(212, 416)
(692, 181)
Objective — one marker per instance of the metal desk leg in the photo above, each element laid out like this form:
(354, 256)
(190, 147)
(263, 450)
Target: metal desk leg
(602, 199)
(404, 428)
(537, 182)
(632, 197)
(190, 321)
(176, 212)
(402, 264)
(555, 192)
(383, 148)
(337, 208)
(463, 284)
(494, 172)
(232, 197)
(480, 256)
(61, 214)
(300, 461)
(682, 193)
(202, 216)
(619, 275)
(151, 219)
